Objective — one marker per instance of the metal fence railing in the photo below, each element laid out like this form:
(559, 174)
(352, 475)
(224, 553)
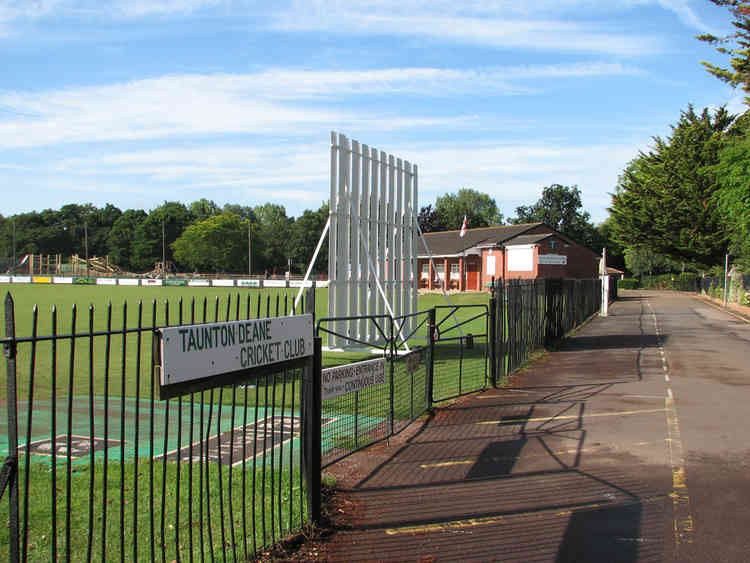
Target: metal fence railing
(99, 468)
(532, 313)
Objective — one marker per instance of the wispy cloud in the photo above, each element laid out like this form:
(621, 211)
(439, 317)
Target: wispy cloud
(32, 9)
(296, 174)
(265, 102)
(536, 34)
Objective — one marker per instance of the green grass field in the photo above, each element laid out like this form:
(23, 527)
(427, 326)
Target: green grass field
(120, 364)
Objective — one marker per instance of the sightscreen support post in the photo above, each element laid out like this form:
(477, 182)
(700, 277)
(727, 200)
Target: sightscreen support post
(312, 441)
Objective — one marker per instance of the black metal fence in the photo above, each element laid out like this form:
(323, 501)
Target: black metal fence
(532, 313)
(98, 468)
(708, 285)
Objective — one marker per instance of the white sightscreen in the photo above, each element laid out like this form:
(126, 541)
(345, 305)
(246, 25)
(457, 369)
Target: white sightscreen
(372, 238)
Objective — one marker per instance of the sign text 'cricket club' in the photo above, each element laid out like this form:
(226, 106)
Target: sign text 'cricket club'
(197, 351)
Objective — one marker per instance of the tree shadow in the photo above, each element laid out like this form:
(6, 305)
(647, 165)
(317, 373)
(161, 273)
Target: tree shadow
(613, 341)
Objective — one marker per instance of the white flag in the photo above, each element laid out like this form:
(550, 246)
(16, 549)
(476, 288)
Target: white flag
(463, 228)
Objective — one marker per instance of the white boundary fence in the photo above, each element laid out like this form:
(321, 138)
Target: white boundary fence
(372, 255)
(246, 283)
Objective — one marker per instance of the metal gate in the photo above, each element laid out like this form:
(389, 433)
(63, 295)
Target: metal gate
(462, 350)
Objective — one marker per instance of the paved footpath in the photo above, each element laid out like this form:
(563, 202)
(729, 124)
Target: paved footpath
(628, 443)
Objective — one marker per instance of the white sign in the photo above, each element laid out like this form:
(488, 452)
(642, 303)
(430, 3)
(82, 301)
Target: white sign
(198, 351)
(520, 258)
(555, 259)
(21, 279)
(106, 281)
(274, 283)
(149, 281)
(199, 283)
(61, 279)
(300, 283)
(490, 265)
(248, 283)
(223, 283)
(4, 279)
(128, 281)
(341, 380)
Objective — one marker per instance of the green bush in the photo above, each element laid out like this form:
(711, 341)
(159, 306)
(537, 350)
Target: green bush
(628, 283)
(680, 282)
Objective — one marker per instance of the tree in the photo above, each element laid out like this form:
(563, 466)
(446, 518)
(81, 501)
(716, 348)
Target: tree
(662, 200)
(147, 238)
(643, 261)
(428, 220)
(274, 231)
(217, 244)
(736, 45)
(479, 209)
(99, 224)
(120, 240)
(561, 208)
(203, 209)
(732, 198)
(306, 231)
(244, 211)
(615, 251)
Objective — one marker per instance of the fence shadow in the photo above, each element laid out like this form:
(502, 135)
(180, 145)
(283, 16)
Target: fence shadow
(515, 465)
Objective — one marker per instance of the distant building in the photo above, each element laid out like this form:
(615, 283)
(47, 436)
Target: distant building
(528, 251)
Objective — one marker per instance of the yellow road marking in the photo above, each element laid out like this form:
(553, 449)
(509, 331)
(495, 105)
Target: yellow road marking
(446, 463)
(569, 416)
(683, 519)
(554, 452)
(521, 516)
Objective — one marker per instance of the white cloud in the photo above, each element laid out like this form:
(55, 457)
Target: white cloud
(296, 174)
(178, 105)
(538, 34)
(33, 9)
(682, 10)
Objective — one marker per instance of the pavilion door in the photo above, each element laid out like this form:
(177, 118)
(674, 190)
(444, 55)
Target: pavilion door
(472, 274)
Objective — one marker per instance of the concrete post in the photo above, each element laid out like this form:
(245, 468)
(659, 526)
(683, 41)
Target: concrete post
(605, 296)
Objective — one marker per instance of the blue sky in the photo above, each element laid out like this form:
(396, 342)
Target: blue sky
(134, 102)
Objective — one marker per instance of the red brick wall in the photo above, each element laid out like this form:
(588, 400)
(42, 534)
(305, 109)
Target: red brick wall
(582, 262)
(499, 265)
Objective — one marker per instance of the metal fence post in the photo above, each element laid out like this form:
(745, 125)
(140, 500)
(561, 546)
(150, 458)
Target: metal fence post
(310, 304)
(430, 355)
(312, 441)
(392, 372)
(492, 335)
(9, 474)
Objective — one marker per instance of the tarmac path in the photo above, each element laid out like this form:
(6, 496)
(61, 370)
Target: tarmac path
(628, 443)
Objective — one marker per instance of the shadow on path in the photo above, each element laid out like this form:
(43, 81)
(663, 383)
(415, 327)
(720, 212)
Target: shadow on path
(511, 474)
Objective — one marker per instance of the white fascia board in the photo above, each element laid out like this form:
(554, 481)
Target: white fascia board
(521, 245)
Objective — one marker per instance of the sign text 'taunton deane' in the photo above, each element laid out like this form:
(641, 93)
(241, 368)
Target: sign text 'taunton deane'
(198, 351)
